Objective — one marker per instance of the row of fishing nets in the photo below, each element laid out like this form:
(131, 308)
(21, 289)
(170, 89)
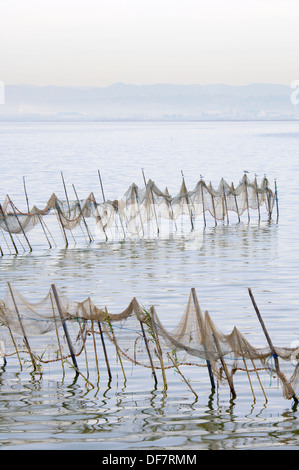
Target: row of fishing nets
(57, 327)
(131, 213)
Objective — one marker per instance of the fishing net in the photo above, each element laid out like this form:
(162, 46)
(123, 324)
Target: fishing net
(57, 327)
(140, 207)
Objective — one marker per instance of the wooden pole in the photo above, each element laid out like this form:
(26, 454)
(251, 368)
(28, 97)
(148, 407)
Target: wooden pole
(27, 201)
(82, 215)
(22, 327)
(229, 379)
(7, 228)
(148, 352)
(105, 350)
(257, 198)
(65, 192)
(276, 199)
(153, 202)
(225, 203)
(235, 197)
(58, 209)
(98, 215)
(201, 328)
(278, 371)
(20, 225)
(246, 194)
(63, 321)
(203, 204)
(213, 203)
(137, 200)
(101, 186)
(187, 199)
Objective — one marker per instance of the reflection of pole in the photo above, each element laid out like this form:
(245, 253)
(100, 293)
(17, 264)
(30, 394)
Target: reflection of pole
(275, 356)
(22, 327)
(202, 332)
(63, 321)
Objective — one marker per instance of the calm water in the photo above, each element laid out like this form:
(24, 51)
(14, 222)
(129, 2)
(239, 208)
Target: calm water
(55, 412)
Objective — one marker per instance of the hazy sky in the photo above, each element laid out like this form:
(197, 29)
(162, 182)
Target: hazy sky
(100, 42)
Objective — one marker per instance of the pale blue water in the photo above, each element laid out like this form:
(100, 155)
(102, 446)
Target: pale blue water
(220, 262)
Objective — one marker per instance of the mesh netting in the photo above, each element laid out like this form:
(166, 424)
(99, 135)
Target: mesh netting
(58, 328)
(139, 207)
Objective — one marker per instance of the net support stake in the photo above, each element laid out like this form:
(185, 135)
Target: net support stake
(22, 327)
(272, 348)
(153, 201)
(201, 327)
(21, 227)
(236, 202)
(246, 194)
(276, 199)
(105, 350)
(98, 215)
(58, 209)
(225, 204)
(138, 204)
(7, 228)
(213, 203)
(82, 215)
(65, 192)
(257, 199)
(26, 196)
(148, 352)
(223, 363)
(187, 199)
(203, 204)
(63, 321)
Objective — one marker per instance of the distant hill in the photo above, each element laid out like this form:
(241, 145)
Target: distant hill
(147, 102)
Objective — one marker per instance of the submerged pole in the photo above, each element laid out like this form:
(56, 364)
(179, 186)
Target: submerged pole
(63, 321)
(272, 348)
(201, 327)
(148, 352)
(105, 350)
